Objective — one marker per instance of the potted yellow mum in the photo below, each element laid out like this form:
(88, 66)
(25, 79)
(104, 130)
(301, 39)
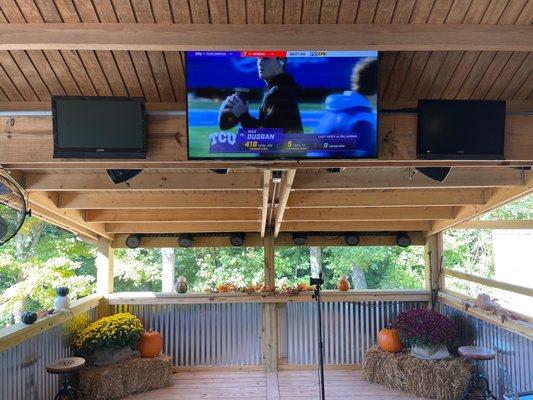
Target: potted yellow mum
(110, 339)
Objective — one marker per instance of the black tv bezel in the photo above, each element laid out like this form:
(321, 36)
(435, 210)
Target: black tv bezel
(274, 158)
(454, 156)
(96, 153)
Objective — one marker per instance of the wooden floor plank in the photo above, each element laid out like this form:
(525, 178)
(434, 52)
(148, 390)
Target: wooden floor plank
(218, 384)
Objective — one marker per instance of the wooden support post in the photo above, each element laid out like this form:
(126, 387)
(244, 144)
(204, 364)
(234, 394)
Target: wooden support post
(433, 257)
(104, 274)
(269, 337)
(168, 276)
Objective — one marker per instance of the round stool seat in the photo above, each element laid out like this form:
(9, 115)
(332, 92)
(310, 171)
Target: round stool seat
(477, 353)
(65, 365)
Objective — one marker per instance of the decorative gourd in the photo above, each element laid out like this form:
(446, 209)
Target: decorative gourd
(484, 302)
(181, 285)
(151, 344)
(389, 340)
(62, 302)
(29, 318)
(343, 285)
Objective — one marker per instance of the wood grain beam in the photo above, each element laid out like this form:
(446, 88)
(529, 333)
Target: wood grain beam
(181, 37)
(194, 215)
(368, 214)
(267, 175)
(401, 179)
(159, 201)
(183, 227)
(284, 192)
(495, 198)
(355, 226)
(26, 142)
(500, 224)
(45, 204)
(255, 240)
(143, 182)
(386, 198)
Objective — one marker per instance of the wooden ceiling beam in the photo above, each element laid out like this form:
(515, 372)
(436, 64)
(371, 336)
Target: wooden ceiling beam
(386, 198)
(497, 224)
(205, 181)
(402, 179)
(26, 142)
(181, 37)
(495, 198)
(159, 201)
(284, 192)
(355, 226)
(368, 214)
(45, 204)
(194, 215)
(255, 240)
(183, 227)
(267, 175)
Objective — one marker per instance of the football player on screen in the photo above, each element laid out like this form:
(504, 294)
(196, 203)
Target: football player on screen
(354, 111)
(279, 107)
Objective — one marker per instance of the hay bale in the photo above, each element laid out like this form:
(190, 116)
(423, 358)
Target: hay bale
(436, 379)
(135, 375)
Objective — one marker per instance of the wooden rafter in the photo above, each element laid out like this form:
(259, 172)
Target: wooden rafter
(497, 224)
(402, 179)
(159, 201)
(284, 192)
(172, 37)
(267, 175)
(495, 198)
(368, 214)
(45, 205)
(143, 182)
(189, 215)
(355, 226)
(183, 227)
(386, 198)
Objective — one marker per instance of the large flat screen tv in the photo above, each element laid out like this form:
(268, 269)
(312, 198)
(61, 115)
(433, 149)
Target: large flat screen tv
(461, 129)
(98, 127)
(281, 104)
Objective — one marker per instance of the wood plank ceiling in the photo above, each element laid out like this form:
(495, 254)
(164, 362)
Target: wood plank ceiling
(32, 76)
(173, 201)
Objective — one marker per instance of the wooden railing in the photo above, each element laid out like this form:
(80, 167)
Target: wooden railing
(19, 333)
(510, 287)
(214, 298)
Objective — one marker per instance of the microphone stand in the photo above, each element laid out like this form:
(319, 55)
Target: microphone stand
(318, 282)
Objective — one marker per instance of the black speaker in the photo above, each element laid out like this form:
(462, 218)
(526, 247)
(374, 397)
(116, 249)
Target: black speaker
(237, 239)
(299, 239)
(351, 239)
(185, 240)
(435, 173)
(122, 175)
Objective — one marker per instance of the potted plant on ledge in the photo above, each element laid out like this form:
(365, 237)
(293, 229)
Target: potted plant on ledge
(427, 332)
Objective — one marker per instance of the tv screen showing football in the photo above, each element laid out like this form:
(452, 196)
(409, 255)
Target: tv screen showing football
(282, 104)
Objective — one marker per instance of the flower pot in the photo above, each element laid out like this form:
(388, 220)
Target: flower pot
(110, 356)
(439, 352)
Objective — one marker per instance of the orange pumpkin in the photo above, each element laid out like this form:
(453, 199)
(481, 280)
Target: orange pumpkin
(151, 344)
(389, 341)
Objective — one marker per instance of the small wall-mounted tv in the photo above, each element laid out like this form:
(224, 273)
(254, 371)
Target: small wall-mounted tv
(461, 129)
(99, 127)
(282, 104)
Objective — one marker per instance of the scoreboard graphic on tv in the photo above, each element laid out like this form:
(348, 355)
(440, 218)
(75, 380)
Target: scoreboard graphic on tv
(281, 104)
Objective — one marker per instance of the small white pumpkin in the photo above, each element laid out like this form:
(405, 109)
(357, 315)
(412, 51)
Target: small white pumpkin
(484, 302)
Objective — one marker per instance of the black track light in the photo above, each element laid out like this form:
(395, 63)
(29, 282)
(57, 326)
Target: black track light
(237, 239)
(403, 239)
(185, 240)
(351, 239)
(299, 239)
(133, 241)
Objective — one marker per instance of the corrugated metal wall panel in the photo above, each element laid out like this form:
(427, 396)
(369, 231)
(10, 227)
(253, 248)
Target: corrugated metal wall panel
(205, 334)
(350, 329)
(512, 370)
(22, 368)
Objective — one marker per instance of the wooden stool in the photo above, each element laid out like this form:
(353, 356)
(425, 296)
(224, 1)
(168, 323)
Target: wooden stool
(66, 367)
(477, 354)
